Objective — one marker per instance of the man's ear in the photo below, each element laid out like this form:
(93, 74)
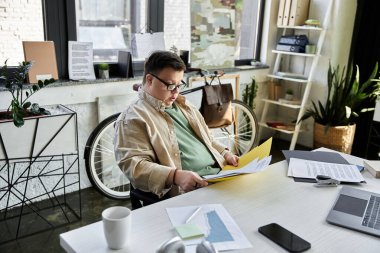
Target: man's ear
(149, 79)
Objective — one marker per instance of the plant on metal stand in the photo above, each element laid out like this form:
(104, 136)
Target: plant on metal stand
(20, 107)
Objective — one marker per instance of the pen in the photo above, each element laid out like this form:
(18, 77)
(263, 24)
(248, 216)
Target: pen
(193, 215)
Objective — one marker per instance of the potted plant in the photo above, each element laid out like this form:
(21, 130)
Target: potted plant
(334, 125)
(103, 71)
(40, 131)
(20, 106)
(249, 93)
(289, 94)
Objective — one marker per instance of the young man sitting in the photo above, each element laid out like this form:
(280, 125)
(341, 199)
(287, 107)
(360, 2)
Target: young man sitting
(161, 140)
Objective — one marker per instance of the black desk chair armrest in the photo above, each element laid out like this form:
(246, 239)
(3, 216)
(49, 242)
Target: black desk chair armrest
(140, 198)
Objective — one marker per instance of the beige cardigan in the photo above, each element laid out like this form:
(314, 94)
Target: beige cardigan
(146, 147)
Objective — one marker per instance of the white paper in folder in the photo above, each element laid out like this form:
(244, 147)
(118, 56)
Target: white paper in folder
(300, 168)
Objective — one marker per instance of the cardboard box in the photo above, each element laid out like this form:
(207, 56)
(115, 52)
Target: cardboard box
(42, 55)
(373, 167)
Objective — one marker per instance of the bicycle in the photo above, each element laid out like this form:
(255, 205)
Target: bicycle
(109, 180)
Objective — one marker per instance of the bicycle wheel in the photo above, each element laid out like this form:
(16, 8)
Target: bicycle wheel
(101, 167)
(241, 136)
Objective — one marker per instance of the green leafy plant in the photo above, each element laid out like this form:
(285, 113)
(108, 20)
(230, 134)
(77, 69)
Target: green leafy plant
(289, 91)
(174, 49)
(346, 97)
(249, 93)
(20, 107)
(103, 66)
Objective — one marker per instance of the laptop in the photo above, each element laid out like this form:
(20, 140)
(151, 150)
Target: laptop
(358, 210)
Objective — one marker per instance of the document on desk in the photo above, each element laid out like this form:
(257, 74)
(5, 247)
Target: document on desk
(215, 222)
(254, 161)
(301, 168)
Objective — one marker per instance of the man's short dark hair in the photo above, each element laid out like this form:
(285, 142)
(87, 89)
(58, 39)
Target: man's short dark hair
(160, 60)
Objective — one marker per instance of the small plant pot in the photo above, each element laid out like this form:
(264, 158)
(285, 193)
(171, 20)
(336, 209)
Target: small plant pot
(104, 74)
(289, 96)
(310, 49)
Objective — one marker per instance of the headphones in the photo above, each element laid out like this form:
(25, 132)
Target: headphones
(176, 245)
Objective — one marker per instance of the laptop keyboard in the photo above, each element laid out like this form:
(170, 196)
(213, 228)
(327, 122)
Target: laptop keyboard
(372, 215)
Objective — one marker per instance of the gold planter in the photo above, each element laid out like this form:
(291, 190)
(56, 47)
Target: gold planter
(339, 138)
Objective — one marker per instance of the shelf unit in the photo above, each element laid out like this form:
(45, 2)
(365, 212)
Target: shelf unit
(306, 82)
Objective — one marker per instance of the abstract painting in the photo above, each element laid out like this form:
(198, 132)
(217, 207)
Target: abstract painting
(212, 33)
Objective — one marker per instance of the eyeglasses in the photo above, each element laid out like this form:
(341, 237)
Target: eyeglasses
(171, 86)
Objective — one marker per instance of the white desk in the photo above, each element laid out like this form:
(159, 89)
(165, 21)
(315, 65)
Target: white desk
(252, 200)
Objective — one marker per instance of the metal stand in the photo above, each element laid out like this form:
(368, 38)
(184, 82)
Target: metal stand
(35, 191)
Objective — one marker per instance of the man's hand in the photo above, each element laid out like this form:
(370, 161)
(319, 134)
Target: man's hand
(188, 180)
(231, 159)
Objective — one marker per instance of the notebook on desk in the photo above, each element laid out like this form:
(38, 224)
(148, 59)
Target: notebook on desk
(358, 210)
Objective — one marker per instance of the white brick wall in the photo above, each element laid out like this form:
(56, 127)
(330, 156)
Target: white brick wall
(19, 20)
(22, 20)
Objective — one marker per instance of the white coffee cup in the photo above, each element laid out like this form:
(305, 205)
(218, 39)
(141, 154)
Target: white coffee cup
(117, 226)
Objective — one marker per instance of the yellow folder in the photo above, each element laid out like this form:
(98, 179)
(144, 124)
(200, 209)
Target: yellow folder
(259, 152)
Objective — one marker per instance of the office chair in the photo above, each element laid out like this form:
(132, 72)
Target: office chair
(140, 198)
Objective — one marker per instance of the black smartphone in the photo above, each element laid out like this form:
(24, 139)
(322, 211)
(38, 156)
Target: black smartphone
(283, 237)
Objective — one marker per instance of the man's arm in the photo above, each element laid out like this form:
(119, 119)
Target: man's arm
(136, 157)
(186, 180)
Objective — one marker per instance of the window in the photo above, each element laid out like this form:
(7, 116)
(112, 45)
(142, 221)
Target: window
(177, 24)
(110, 24)
(107, 24)
(248, 28)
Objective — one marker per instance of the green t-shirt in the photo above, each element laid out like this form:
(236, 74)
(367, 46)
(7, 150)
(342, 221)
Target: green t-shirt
(194, 154)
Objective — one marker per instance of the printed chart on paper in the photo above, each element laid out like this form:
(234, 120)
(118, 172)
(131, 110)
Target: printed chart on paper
(216, 224)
